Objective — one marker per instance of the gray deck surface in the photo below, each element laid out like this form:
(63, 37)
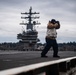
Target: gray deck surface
(12, 59)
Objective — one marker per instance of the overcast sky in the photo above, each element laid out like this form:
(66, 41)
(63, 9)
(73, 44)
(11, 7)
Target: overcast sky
(61, 10)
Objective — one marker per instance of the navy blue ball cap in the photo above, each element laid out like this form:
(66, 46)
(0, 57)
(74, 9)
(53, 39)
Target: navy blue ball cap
(53, 21)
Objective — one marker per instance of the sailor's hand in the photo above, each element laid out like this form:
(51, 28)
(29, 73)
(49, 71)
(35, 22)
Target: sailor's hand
(57, 24)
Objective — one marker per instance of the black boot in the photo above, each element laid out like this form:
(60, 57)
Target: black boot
(56, 56)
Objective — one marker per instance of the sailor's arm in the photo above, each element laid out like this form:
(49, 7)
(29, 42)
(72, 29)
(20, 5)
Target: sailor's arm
(51, 25)
(58, 25)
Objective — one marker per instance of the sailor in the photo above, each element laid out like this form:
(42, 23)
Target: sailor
(51, 36)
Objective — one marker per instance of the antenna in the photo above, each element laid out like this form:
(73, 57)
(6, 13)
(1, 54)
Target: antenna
(30, 18)
(29, 37)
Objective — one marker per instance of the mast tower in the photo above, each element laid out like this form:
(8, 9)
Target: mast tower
(29, 37)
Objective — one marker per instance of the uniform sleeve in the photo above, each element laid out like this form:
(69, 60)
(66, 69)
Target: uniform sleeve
(58, 25)
(51, 26)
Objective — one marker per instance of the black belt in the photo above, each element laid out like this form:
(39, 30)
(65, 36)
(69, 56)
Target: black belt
(50, 37)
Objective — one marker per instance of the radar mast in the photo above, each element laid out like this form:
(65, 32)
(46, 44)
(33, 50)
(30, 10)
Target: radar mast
(29, 37)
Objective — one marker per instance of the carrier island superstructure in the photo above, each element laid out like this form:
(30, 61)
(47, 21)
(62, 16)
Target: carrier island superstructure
(29, 37)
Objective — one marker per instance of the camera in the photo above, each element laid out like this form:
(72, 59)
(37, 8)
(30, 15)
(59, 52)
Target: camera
(58, 22)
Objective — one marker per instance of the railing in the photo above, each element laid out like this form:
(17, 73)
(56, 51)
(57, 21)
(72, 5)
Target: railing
(55, 67)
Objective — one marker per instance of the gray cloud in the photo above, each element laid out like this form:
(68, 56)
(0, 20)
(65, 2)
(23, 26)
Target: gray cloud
(62, 10)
